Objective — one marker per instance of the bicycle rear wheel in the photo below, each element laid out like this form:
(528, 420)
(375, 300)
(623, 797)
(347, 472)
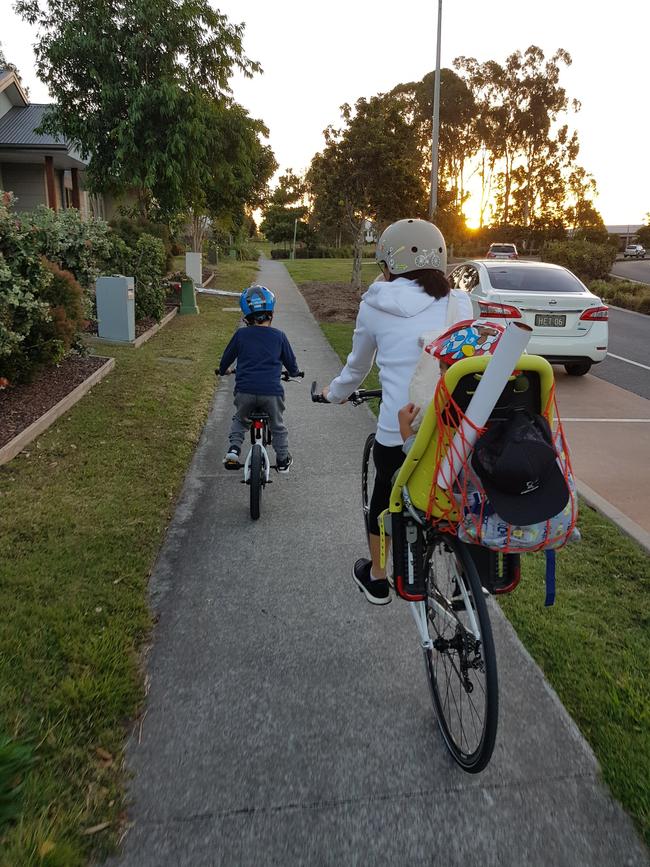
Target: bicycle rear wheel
(367, 477)
(461, 665)
(256, 480)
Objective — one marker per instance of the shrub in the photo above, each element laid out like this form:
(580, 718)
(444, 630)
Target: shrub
(131, 229)
(314, 253)
(76, 245)
(589, 261)
(631, 296)
(23, 278)
(148, 266)
(64, 297)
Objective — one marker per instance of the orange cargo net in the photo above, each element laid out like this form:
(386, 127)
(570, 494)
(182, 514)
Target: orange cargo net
(466, 500)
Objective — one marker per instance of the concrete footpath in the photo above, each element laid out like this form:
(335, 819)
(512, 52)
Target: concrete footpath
(289, 722)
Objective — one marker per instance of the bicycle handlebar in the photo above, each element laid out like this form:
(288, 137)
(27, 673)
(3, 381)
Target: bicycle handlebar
(285, 375)
(361, 395)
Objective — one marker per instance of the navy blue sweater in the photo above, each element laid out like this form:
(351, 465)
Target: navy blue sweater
(260, 352)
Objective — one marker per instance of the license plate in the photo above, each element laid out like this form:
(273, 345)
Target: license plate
(550, 320)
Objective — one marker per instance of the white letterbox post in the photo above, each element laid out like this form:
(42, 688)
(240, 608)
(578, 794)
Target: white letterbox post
(194, 268)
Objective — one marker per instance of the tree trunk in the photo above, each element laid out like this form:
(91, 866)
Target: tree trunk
(356, 263)
(199, 226)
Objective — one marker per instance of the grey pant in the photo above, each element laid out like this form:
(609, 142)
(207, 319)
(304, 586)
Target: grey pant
(273, 406)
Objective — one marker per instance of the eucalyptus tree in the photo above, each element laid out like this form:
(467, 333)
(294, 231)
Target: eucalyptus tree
(519, 106)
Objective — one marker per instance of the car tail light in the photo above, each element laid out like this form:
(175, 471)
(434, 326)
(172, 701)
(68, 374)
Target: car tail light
(503, 311)
(490, 255)
(596, 314)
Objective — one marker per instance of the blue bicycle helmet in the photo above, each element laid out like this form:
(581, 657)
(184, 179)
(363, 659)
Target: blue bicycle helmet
(257, 302)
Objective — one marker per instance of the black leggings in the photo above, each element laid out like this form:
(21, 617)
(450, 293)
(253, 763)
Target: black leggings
(388, 460)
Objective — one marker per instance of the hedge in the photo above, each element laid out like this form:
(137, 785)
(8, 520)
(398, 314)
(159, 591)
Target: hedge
(589, 261)
(621, 293)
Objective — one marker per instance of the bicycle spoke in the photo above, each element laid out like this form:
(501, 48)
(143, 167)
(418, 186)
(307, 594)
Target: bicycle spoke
(462, 671)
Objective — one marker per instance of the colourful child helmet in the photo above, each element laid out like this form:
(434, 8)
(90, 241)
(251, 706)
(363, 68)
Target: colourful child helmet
(467, 339)
(256, 300)
(411, 245)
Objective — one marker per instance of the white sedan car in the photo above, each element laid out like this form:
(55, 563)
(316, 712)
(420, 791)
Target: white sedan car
(569, 322)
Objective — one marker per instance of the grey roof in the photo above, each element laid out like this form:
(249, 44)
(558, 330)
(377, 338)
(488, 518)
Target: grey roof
(18, 124)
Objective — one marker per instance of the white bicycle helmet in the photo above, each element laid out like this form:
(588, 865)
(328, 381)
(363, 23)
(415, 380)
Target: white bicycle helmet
(409, 245)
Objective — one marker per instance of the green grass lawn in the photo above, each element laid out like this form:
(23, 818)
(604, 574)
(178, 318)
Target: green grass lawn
(329, 270)
(593, 644)
(84, 513)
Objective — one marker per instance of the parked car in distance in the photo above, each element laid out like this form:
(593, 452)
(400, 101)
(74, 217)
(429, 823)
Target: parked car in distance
(570, 323)
(634, 251)
(502, 251)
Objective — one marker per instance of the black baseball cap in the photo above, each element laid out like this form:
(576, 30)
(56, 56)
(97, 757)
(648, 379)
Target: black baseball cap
(516, 461)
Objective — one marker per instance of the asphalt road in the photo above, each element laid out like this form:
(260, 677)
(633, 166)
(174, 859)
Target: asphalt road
(629, 338)
(633, 269)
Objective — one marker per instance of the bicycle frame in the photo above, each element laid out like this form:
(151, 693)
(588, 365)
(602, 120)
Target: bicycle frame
(259, 431)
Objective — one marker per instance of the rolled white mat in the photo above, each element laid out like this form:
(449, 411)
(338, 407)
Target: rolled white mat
(499, 369)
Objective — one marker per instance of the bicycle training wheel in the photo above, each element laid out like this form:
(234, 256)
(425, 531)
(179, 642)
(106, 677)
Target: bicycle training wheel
(368, 473)
(461, 665)
(256, 480)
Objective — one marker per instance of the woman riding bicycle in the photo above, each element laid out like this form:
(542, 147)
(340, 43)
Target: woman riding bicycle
(412, 298)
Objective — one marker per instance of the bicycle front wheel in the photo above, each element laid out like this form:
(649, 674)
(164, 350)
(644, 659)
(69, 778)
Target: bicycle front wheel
(256, 480)
(367, 477)
(461, 664)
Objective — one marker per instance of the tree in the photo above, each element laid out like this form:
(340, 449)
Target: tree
(236, 174)
(529, 153)
(643, 235)
(133, 83)
(457, 134)
(284, 213)
(370, 169)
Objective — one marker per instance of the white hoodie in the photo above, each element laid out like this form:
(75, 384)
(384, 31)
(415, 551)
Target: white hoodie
(392, 316)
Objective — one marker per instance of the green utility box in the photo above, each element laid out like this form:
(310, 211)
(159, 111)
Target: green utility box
(188, 298)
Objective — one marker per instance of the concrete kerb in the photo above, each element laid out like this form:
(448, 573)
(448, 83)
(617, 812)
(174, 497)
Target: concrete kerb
(147, 335)
(18, 443)
(604, 507)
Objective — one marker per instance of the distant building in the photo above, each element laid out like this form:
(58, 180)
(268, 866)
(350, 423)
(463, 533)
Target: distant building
(39, 169)
(626, 233)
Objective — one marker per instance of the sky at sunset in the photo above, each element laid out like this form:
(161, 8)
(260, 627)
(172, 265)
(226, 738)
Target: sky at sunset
(318, 55)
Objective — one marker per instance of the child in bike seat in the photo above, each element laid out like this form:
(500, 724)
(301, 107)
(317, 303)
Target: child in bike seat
(260, 352)
(466, 339)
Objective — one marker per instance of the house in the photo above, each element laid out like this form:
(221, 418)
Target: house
(39, 169)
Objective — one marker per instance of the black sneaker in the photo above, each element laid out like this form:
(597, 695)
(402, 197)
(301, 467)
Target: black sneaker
(378, 591)
(231, 460)
(283, 464)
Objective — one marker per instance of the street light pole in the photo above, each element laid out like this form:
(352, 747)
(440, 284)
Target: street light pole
(433, 202)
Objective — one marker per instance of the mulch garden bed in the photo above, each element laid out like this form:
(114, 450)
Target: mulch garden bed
(332, 302)
(23, 404)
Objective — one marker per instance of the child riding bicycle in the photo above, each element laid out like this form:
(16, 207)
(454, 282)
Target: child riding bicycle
(260, 351)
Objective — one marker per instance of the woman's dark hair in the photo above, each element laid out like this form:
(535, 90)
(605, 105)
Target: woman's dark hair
(433, 282)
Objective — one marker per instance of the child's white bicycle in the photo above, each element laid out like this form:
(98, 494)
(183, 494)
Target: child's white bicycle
(257, 466)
